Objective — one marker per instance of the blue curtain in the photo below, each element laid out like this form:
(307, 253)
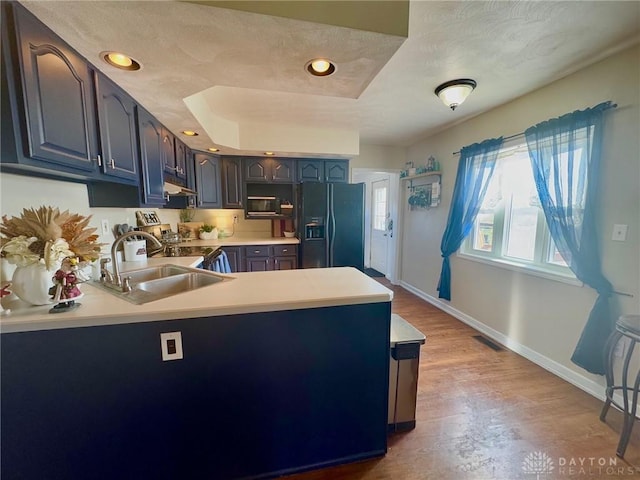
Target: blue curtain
(565, 157)
(476, 166)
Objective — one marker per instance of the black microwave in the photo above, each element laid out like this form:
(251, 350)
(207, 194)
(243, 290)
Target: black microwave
(262, 206)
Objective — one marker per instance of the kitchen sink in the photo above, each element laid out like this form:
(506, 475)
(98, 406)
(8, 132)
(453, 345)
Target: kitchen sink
(155, 283)
(154, 273)
(174, 284)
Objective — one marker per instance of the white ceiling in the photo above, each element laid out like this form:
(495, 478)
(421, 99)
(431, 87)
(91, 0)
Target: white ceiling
(244, 69)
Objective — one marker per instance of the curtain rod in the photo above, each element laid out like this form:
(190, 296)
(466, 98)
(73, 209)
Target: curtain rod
(516, 135)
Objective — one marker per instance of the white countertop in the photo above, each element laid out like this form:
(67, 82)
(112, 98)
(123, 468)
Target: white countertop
(247, 292)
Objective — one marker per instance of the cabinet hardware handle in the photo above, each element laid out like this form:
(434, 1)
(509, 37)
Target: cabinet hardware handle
(112, 164)
(284, 250)
(99, 159)
(256, 251)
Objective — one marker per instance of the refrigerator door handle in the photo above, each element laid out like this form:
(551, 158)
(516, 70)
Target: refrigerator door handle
(333, 226)
(327, 241)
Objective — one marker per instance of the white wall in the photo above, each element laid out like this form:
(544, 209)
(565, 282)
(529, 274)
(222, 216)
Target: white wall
(539, 317)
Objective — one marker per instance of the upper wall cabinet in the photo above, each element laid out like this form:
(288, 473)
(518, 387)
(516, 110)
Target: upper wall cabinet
(232, 182)
(331, 171)
(182, 155)
(152, 149)
(207, 170)
(269, 170)
(52, 87)
(118, 138)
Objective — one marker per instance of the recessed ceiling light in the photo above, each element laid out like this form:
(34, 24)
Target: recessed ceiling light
(190, 133)
(121, 61)
(269, 153)
(320, 67)
(213, 149)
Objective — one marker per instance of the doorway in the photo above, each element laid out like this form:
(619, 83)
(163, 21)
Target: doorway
(387, 250)
(379, 224)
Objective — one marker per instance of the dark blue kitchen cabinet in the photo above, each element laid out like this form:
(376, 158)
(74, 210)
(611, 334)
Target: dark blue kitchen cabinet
(336, 171)
(118, 138)
(168, 152)
(182, 153)
(236, 258)
(151, 148)
(256, 395)
(232, 186)
(329, 171)
(207, 172)
(51, 94)
(269, 170)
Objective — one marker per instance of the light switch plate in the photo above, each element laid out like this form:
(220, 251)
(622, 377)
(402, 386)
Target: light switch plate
(174, 338)
(619, 233)
(105, 227)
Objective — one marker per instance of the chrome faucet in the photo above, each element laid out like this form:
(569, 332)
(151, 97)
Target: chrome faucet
(116, 280)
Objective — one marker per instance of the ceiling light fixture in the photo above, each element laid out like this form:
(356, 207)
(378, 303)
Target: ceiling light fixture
(190, 133)
(121, 61)
(212, 149)
(269, 153)
(320, 67)
(455, 92)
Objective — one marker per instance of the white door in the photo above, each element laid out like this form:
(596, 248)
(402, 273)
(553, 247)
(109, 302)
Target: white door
(379, 225)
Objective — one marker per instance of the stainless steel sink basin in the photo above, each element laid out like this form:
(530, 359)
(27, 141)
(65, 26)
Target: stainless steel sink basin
(153, 273)
(155, 283)
(184, 282)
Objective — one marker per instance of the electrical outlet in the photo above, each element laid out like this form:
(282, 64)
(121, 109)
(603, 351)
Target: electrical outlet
(105, 227)
(171, 346)
(619, 233)
(235, 219)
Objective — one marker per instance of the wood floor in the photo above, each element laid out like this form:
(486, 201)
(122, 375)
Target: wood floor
(481, 413)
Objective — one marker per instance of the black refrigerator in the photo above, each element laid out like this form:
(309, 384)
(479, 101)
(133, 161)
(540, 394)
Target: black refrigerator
(331, 224)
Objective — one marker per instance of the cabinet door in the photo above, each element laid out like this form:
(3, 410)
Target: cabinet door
(257, 170)
(116, 116)
(258, 264)
(336, 171)
(181, 160)
(150, 138)
(232, 182)
(310, 170)
(208, 180)
(285, 263)
(236, 260)
(58, 91)
(283, 170)
(168, 152)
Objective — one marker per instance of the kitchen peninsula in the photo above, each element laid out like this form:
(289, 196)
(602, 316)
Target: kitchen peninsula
(282, 371)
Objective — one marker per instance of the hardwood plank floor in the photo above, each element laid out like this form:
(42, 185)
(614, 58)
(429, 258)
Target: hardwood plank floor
(481, 413)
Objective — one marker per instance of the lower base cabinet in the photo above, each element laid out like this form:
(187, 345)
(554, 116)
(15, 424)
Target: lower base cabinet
(244, 402)
(260, 258)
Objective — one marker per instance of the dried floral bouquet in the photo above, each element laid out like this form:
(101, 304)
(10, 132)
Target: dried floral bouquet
(49, 235)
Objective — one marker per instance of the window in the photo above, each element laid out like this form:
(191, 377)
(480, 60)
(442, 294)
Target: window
(510, 228)
(380, 208)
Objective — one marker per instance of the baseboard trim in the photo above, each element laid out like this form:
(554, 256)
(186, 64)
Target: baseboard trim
(583, 383)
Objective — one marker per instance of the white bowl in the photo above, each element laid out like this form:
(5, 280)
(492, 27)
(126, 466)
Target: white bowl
(289, 234)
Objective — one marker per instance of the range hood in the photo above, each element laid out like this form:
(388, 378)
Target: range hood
(171, 189)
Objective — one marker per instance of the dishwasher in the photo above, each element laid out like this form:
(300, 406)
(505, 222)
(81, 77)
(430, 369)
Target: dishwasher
(405, 342)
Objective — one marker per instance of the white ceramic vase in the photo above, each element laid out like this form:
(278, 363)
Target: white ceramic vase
(212, 235)
(32, 283)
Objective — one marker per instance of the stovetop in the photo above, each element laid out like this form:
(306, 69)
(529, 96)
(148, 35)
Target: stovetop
(175, 251)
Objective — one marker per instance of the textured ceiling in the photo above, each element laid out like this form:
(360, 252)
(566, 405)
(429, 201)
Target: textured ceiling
(247, 68)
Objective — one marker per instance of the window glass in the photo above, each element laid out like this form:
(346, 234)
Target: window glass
(510, 227)
(379, 208)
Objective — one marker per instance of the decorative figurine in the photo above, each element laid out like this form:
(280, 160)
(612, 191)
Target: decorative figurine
(66, 291)
(4, 292)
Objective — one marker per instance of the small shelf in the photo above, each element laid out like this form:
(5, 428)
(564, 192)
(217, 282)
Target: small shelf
(425, 189)
(420, 175)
